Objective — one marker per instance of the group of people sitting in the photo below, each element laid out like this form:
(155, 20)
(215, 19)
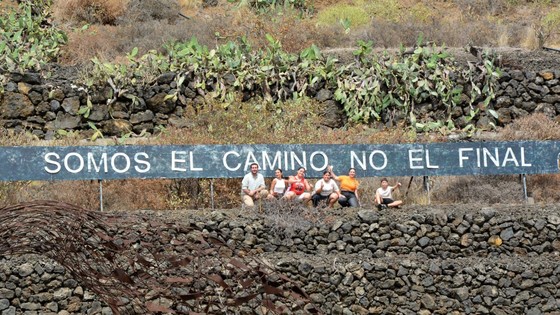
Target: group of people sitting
(297, 187)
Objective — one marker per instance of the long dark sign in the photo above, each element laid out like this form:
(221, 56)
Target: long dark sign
(233, 161)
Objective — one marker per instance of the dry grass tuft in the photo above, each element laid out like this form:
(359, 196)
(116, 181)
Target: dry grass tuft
(536, 126)
(484, 190)
(90, 11)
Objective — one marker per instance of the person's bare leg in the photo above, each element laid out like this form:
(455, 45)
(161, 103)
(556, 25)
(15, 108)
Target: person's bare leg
(305, 198)
(395, 203)
(290, 195)
(332, 199)
(248, 201)
(378, 199)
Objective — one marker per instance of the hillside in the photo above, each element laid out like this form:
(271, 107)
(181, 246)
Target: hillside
(109, 29)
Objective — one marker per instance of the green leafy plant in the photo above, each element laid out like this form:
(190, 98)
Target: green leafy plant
(376, 84)
(269, 6)
(24, 43)
(548, 26)
(86, 110)
(344, 14)
(97, 133)
(367, 88)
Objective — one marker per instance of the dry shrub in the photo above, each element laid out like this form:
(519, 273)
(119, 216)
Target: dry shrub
(84, 193)
(334, 36)
(190, 4)
(544, 187)
(7, 6)
(184, 193)
(537, 126)
(10, 192)
(321, 4)
(98, 41)
(227, 192)
(529, 39)
(441, 32)
(109, 42)
(484, 190)
(9, 137)
(138, 11)
(198, 193)
(511, 34)
(293, 32)
(136, 194)
(90, 11)
(398, 134)
(287, 122)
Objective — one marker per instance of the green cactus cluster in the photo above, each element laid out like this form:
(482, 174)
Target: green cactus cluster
(27, 41)
(366, 88)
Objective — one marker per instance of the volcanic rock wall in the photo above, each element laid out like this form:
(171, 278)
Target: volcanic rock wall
(43, 107)
(417, 260)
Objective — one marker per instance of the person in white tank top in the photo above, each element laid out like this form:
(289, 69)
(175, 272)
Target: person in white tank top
(278, 185)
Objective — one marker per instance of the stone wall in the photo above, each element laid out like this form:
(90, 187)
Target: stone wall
(418, 260)
(43, 107)
(34, 285)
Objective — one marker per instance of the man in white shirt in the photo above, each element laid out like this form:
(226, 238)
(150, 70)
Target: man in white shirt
(252, 186)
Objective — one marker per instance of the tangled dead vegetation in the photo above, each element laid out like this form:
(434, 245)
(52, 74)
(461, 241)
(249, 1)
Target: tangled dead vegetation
(139, 265)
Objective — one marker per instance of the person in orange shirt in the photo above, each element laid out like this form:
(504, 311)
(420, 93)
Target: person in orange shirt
(348, 188)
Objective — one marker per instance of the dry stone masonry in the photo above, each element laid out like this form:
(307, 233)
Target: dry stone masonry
(416, 260)
(43, 107)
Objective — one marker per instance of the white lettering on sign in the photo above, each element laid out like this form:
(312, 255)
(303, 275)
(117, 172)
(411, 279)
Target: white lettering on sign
(312, 161)
(178, 161)
(68, 159)
(416, 159)
(75, 163)
(276, 163)
(354, 158)
(138, 159)
(225, 161)
(103, 162)
(217, 162)
(250, 160)
(301, 162)
(287, 160)
(124, 158)
(484, 157)
(52, 159)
